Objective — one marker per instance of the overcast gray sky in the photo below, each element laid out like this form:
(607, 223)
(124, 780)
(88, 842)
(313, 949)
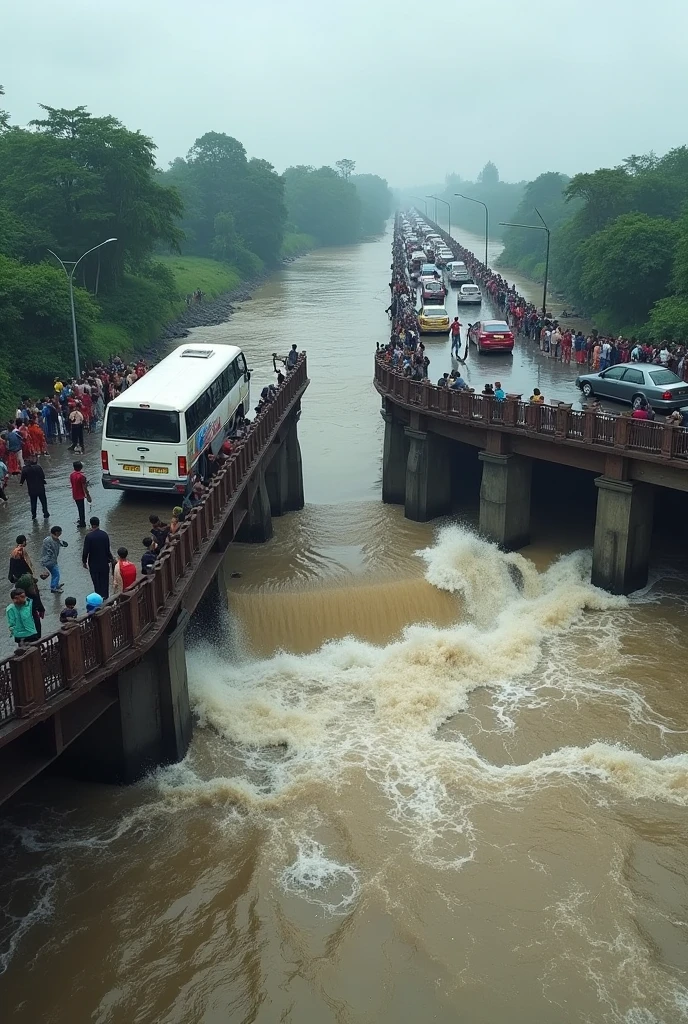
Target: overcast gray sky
(410, 91)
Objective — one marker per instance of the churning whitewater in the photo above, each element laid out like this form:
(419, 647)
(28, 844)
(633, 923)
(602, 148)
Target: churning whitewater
(296, 722)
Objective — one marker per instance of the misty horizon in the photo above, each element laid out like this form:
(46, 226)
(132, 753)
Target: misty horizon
(301, 84)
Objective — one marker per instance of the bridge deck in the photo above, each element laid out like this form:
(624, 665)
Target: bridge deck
(588, 430)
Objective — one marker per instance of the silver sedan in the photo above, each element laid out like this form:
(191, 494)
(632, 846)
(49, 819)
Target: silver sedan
(661, 388)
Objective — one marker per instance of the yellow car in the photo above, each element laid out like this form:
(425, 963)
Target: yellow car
(433, 320)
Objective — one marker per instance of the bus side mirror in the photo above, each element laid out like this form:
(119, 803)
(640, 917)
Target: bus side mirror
(247, 376)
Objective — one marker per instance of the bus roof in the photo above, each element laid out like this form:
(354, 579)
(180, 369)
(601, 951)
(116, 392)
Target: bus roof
(178, 379)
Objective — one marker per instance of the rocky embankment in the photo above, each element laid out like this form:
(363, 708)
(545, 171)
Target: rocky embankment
(211, 312)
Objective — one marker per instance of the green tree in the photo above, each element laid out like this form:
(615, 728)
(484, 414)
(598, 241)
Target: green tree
(626, 266)
(346, 167)
(84, 179)
(489, 176)
(323, 204)
(376, 202)
(217, 178)
(36, 323)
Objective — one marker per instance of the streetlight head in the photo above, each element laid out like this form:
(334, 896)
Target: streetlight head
(110, 240)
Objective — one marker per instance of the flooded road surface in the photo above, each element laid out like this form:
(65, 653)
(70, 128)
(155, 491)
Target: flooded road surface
(429, 781)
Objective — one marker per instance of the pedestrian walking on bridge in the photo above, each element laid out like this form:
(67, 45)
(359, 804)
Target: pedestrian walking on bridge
(34, 478)
(96, 556)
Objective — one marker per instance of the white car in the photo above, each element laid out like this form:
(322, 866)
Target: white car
(469, 294)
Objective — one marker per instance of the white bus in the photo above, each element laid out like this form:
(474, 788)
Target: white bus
(155, 432)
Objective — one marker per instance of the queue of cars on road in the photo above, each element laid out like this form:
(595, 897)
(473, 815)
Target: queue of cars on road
(431, 262)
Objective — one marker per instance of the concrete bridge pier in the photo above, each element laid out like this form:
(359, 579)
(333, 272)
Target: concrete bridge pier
(148, 724)
(427, 490)
(295, 496)
(394, 459)
(277, 481)
(623, 533)
(257, 524)
(505, 499)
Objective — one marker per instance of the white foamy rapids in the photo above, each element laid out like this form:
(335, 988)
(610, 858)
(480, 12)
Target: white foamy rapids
(319, 880)
(299, 720)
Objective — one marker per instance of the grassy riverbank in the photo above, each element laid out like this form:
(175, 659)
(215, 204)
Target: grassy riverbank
(295, 244)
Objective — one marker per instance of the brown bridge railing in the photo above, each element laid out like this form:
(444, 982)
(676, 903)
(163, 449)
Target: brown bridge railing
(66, 659)
(647, 439)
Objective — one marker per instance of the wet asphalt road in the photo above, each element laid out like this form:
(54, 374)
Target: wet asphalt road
(124, 516)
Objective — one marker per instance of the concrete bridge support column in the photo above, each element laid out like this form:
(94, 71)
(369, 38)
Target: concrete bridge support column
(505, 500)
(277, 481)
(623, 532)
(150, 724)
(295, 498)
(428, 476)
(257, 525)
(394, 458)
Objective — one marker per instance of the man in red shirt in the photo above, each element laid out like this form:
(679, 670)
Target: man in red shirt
(80, 492)
(455, 331)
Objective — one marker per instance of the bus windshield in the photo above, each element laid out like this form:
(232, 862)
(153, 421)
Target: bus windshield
(142, 425)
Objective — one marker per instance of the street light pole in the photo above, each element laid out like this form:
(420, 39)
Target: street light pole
(448, 205)
(435, 198)
(418, 199)
(536, 227)
(487, 216)
(70, 277)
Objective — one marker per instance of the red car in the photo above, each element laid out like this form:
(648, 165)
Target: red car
(433, 291)
(491, 336)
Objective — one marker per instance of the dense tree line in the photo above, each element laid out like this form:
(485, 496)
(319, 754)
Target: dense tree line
(619, 242)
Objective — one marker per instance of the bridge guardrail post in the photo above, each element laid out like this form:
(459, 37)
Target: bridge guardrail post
(533, 417)
(69, 643)
(589, 426)
(668, 440)
(186, 544)
(129, 603)
(26, 671)
(103, 623)
(563, 418)
(511, 410)
(196, 530)
(622, 430)
(464, 405)
(167, 576)
(487, 407)
(158, 588)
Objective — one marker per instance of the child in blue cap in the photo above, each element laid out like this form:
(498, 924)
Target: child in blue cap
(93, 603)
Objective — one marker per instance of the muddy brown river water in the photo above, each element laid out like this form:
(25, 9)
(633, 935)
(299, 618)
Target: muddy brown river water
(422, 786)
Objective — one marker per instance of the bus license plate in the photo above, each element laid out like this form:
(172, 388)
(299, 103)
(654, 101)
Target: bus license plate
(157, 469)
(131, 468)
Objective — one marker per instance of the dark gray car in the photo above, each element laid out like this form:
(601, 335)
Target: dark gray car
(662, 388)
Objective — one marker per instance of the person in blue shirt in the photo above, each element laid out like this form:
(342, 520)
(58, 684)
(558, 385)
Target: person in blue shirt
(459, 384)
(499, 392)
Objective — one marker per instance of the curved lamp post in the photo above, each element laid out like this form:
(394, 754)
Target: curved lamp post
(448, 205)
(487, 216)
(70, 277)
(537, 227)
